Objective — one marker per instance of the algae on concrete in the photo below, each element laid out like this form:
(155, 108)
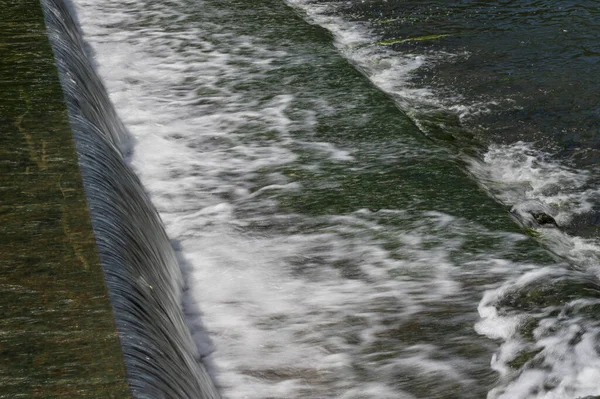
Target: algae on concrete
(389, 42)
(57, 332)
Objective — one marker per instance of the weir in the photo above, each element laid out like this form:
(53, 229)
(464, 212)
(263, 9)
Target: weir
(76, 221)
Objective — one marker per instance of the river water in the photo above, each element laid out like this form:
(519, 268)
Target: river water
(375, 199)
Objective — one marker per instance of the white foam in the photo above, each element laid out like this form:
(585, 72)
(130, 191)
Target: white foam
(567, 361)
(518, 173)
(531, 180)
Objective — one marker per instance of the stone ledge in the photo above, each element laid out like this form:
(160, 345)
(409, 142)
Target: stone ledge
(57, 331)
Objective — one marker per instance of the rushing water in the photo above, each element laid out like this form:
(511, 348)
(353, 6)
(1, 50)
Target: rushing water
(376, 199)
(141, 270)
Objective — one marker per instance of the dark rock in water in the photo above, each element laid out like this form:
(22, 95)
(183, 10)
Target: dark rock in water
(533, 214)
(543, 218)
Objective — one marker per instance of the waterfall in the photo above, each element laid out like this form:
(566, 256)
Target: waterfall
(141, 271)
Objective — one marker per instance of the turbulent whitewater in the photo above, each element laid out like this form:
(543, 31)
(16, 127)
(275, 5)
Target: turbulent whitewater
(352, 220)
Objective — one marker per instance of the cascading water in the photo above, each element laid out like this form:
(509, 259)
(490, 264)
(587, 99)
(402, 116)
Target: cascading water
(343, 194)
(141, 271)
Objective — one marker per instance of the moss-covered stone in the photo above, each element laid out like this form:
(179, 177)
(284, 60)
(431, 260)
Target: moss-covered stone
(57, 332)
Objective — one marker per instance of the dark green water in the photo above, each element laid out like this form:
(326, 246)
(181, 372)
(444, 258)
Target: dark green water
(511, 71)
(537, 59)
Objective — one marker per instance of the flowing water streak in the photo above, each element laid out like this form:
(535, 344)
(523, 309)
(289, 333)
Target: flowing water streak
(142, 274)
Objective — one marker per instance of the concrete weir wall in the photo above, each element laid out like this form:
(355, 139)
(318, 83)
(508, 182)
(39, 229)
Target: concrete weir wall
(57, 331)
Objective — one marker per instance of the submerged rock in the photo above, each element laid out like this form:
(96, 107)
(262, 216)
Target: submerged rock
(533, 215)
(543, 218)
